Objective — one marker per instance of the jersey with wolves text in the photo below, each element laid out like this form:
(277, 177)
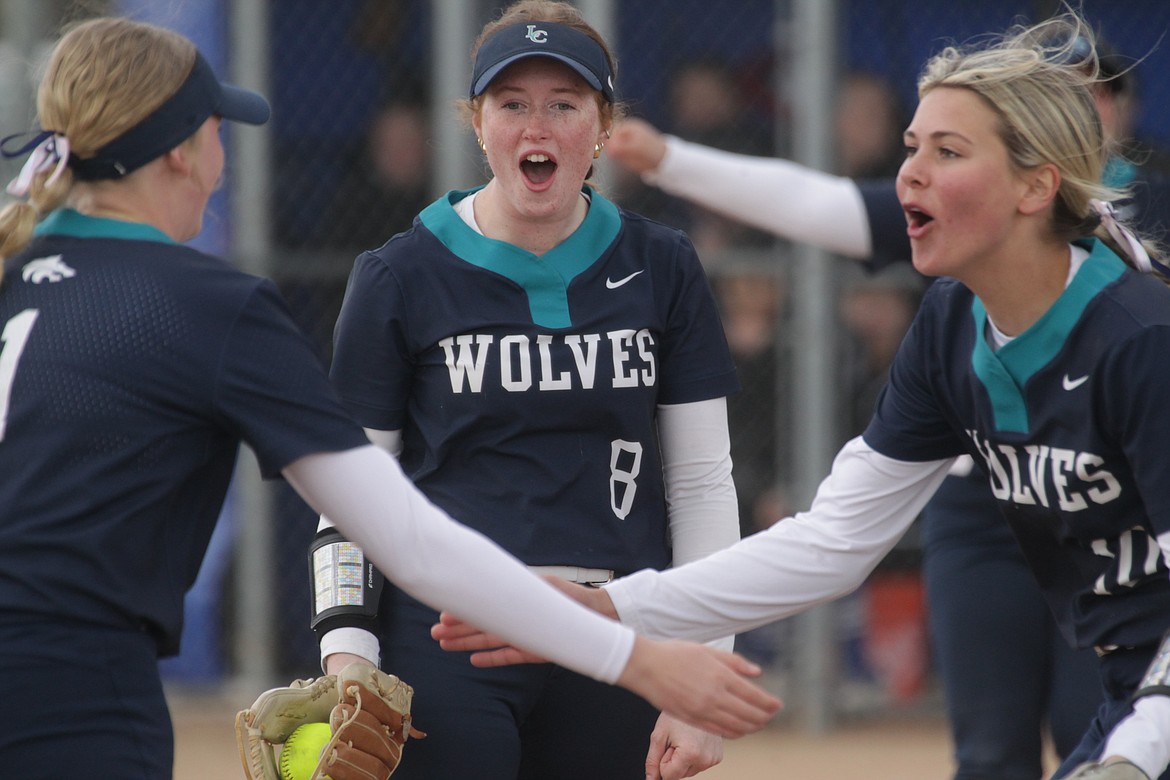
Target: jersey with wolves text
(526, 386)
(1070, 422)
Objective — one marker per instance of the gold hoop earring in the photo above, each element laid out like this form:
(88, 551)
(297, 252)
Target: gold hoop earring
(596, 151)
(482, 148)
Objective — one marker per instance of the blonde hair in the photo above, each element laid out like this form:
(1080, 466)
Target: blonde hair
(1039, 80)
(104, 77)
(544, 11)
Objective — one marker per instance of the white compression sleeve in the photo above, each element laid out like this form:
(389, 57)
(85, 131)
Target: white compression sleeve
(860, 511)
(450, 567)
(700, 492)
(1143, 736)
(391, 441)
(782, 197)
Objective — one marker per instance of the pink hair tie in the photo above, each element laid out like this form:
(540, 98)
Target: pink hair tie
(50, 153)
(1122, 235)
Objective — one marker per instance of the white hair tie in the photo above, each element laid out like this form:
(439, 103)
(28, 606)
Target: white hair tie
(50, 153)
(1122, 235)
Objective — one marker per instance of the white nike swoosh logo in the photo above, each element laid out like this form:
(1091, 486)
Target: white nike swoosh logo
(612, 285)
(1073, 384)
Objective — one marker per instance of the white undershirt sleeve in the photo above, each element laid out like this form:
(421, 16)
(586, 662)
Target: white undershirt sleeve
(352, 640)
(1143, 736)
(700, 493)
(860, 511)
(450, 567)
(391, 441)
(787, 199)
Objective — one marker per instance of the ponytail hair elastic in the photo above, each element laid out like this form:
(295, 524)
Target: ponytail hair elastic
(1126, 240)
(50, 151)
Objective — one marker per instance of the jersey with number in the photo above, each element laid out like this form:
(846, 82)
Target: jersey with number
(526, 386)
(1070, 420)
(130, 370)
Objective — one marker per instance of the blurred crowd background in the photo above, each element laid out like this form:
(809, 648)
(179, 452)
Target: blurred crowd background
(364, 135)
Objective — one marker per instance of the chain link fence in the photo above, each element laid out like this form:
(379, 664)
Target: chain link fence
(364, 134)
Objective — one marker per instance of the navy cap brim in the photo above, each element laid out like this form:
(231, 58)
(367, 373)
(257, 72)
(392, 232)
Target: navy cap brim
(178, 118)
(488, 75)
(243, 105)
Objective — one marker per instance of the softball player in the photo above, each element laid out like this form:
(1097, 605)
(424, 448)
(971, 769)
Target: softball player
(131, 368)
(1040, 358)
(553, 372)
(1001, 698)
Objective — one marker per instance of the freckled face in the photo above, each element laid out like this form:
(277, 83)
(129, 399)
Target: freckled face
(957, 186)
(540, 123)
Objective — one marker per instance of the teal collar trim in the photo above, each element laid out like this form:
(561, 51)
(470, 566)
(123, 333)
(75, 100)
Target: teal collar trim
(67, 222)
(545, 278)
(1005, 373)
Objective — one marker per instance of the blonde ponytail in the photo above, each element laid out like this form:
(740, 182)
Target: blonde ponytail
(105, 76)
(47, 190)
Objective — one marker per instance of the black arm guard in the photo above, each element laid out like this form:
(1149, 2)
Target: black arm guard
(345, 586)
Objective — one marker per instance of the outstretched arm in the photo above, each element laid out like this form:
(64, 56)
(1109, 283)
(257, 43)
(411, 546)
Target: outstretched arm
(785, 198)
(861, 510)
(489, 650)
(449, 566)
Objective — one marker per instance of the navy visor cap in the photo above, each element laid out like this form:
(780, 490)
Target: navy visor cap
(201, 96)
(542, 39)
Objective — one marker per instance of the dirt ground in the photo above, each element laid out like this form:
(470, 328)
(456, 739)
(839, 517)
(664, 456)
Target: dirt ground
(898, 747)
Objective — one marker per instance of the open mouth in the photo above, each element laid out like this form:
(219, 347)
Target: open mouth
(538, 168)
(917, 218)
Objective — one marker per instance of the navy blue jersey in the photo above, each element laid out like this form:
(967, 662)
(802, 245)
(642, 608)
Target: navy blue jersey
(526, 386)
(131, 368)
(1070, 421)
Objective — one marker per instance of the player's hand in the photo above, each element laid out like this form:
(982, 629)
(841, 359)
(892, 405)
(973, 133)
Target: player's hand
(636, 145)
(707, 688)
(678, 750)
(335, 662)
(1111, 769)
(488, 650)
